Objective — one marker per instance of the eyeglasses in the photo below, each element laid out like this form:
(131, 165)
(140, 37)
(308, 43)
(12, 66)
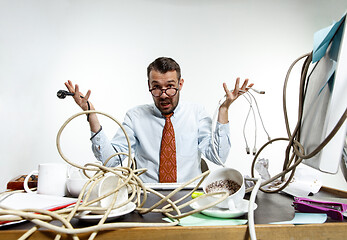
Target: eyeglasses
(157, 92)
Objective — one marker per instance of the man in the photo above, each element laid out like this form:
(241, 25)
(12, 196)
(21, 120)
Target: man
(144, 125)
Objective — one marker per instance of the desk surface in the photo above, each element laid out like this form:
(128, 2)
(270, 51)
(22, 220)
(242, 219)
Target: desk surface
(271, 208)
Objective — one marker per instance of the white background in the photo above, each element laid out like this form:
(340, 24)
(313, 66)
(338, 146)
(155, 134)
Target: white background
(106, 46)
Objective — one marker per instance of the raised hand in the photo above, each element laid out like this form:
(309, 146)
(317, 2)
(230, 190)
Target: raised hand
(79, 98)
(230, 97)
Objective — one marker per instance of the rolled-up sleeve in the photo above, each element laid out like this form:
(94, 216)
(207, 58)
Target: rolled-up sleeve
(102, 148)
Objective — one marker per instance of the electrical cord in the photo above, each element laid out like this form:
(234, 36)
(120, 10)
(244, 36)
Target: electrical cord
(249, 100)
(290, 139)
(260, 117)
(129, 178)
(295, 153)
(244, 130)
(255, 133)
(251, 226)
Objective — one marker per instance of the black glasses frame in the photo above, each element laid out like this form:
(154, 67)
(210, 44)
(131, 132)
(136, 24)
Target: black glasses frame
(163, 91)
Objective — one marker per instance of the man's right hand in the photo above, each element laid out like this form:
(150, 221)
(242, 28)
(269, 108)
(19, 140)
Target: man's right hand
(82, 102)
(79, 98)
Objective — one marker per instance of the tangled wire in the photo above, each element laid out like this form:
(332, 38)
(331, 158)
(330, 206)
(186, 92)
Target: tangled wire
(128, 177)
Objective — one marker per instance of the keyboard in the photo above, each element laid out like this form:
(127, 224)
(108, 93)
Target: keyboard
(169, 186)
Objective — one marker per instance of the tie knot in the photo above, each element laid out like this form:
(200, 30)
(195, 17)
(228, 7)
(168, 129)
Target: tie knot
(168, 115)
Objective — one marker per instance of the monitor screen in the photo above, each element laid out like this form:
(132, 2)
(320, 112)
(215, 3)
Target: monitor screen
(324, 103)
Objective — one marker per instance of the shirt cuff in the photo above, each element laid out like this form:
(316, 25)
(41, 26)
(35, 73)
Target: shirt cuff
(222, 129)
(95, 137)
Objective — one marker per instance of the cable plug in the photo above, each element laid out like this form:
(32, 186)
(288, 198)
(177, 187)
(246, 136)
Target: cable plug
(255, 90)
(254, 151)
(258, 91)
(247, 150)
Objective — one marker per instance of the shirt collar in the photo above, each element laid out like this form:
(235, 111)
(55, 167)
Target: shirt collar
(157, 113)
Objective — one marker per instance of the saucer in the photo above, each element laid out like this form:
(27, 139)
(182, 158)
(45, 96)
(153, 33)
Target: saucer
(114, 214)
(241, 210)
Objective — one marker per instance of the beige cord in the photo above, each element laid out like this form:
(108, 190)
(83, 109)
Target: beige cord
(129, 178)
(295, 151)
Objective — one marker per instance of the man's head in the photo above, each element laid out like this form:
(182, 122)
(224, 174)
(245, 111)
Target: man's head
(165, 83)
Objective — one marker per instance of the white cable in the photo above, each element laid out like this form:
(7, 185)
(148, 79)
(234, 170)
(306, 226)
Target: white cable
(257, 91)
(244, 133)
(255, 132)
(245, 123)
(259, 114)
(260, 117)
(214, 122)
(251, 227)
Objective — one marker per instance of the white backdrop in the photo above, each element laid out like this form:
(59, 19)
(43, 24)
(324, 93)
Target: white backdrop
(106, 46)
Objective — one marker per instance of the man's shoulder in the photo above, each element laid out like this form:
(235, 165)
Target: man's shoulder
(141, 110)
(142, 107)
(191, 106)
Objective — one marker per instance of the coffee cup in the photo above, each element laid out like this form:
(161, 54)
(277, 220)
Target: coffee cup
(225, 180)
(51, 179)
(75, 185)
(108, 183)
(75, 172)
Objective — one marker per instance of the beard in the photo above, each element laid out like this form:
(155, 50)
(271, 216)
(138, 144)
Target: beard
(167, 105)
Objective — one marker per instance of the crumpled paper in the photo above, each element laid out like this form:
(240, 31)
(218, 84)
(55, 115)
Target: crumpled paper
(302, 184)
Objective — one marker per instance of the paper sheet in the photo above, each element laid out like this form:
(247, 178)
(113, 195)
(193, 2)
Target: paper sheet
(199, 219)
(305, 218)
(32, 200)
(305, 181)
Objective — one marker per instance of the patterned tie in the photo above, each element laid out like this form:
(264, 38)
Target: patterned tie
(167, 168)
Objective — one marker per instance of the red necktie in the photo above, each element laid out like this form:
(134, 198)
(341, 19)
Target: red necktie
(167, 168)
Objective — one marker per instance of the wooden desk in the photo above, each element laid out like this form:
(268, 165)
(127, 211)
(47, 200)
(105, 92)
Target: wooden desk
(271, 208)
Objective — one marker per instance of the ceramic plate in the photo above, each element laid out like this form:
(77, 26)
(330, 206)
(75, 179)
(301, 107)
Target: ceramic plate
(114, 214)
(241, 210)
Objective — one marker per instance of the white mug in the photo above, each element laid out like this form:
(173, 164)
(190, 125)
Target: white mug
(74, 172)
(223, 174)
(51, 179)
(108, 183)
(77, 179)
(75, 185)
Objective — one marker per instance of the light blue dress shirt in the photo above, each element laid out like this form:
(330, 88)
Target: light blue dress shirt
(144, 125)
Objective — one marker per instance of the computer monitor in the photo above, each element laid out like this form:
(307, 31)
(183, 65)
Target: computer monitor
(324, 103)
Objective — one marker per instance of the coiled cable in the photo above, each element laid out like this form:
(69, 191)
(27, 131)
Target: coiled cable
(295, 153)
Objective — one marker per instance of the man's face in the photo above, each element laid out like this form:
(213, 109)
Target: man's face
(166, 80)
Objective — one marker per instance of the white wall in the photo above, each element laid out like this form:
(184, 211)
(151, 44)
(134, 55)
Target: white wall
(106, 46)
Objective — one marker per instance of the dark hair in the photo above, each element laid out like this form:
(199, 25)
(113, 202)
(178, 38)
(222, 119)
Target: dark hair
(163, 65)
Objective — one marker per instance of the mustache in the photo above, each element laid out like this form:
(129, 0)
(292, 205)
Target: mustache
(165, 101)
